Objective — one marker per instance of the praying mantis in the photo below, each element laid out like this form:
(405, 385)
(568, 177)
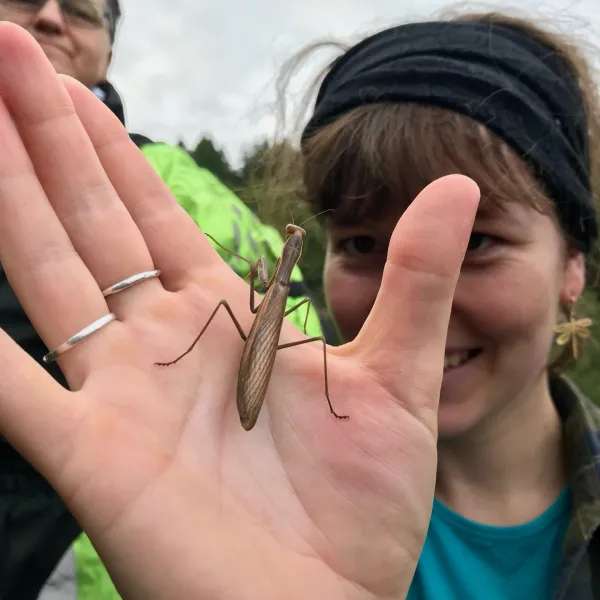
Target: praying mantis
(262, 342)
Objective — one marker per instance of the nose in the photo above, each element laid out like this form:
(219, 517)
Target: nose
(49, 19)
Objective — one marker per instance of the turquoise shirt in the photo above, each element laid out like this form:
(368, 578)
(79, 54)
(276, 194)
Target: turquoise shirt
(465, 560)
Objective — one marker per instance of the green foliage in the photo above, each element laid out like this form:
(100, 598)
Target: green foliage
(213, 159)
(254, 162)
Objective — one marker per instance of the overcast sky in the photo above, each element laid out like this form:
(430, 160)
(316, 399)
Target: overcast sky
(186, 68)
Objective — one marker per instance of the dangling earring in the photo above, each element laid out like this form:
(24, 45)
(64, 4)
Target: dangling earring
(572, 330)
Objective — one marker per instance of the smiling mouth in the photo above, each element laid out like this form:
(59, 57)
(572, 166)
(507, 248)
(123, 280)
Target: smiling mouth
(457, 359)
(48, 44)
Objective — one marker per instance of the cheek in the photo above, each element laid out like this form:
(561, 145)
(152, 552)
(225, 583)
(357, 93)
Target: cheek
(350, 297)
(510, 306)
(93, 51)
(23, 19)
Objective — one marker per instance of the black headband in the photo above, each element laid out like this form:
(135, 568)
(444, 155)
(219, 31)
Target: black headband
(510, 82)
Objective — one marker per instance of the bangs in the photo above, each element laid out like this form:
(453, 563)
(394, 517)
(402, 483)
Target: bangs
(381, 156)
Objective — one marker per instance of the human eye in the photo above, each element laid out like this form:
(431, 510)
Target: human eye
(84, 12)
(480, 242)
(358, 245)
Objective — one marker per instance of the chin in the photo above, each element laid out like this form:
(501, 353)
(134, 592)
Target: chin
(448, 432)
(456, 419)
(60, 64)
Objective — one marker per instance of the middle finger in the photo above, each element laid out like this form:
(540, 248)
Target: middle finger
(100, 227)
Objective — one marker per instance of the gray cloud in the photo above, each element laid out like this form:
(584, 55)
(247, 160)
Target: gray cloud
(192, 67)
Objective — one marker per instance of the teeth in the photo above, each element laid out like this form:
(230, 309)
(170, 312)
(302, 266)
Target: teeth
(455, 359)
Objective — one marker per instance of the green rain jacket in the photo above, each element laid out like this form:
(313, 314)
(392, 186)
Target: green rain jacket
(43, 553)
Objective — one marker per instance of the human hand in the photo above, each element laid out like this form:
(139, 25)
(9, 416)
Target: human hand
(179, 500)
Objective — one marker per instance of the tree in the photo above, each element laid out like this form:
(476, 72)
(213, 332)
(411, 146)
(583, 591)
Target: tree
(208, 156)
(254, 163)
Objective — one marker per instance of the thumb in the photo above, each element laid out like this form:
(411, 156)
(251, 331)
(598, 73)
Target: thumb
(403, 339)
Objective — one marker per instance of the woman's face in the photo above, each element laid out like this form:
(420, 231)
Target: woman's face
(514, 276)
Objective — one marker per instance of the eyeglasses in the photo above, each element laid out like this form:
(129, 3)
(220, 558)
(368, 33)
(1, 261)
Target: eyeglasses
(79, 13)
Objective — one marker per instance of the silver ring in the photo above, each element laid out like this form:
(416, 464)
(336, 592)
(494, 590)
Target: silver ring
(127, 283)
(79, 337)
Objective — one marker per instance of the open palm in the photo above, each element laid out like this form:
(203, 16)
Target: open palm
(179, 500)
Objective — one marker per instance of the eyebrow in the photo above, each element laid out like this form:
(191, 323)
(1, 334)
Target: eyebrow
(488, 209)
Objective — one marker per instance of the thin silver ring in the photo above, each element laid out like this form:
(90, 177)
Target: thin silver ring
(127, 283)
(79, 337)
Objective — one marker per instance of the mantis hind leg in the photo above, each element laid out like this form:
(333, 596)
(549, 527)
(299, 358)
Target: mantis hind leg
(296, 306)
(235, 322)
(308, 341)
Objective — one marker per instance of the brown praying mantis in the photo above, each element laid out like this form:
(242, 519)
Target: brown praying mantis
(262, 343)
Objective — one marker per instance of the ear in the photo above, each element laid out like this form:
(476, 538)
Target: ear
(573, 278)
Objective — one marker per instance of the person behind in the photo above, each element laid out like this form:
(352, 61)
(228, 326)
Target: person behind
(77, 36)
(460, 156)
(514, 107)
